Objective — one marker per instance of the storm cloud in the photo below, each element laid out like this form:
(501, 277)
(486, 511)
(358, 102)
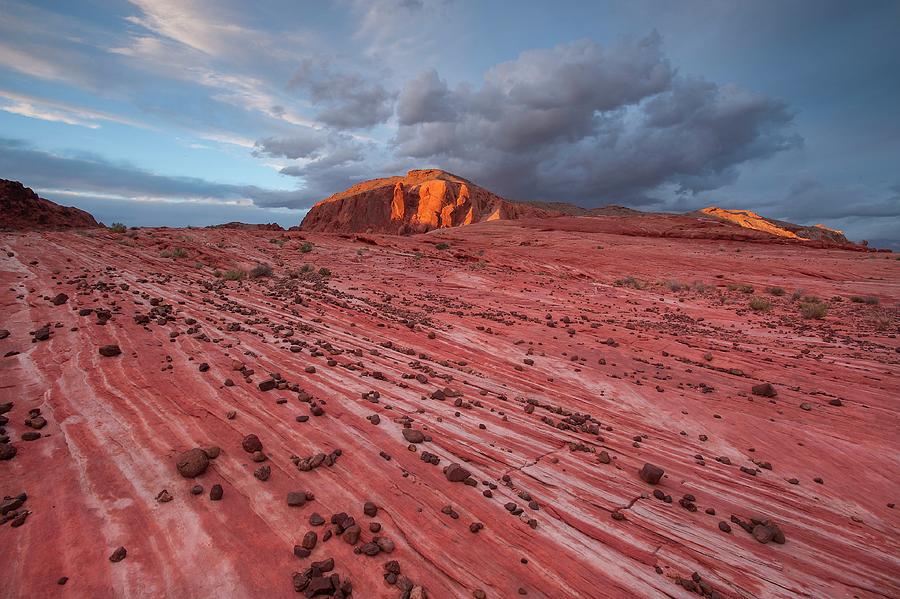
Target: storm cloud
(580, 122)
(343, 100)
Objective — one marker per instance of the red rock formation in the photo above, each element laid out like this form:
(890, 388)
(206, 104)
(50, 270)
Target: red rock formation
(248, 226)
(779, 228)
(22, 209)
(517, 356)
(421, 201)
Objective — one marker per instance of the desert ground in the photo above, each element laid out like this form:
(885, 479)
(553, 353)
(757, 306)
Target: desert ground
(511, 408)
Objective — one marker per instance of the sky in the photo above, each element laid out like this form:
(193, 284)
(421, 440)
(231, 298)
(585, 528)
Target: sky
(195, 112)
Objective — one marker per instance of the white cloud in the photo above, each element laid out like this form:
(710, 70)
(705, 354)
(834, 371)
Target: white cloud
(61, 112)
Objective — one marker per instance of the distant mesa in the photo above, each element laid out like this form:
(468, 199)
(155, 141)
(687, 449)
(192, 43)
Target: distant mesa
(421, 201)
(430, 199)
(21, 210)
(248, 226)
(751, 220)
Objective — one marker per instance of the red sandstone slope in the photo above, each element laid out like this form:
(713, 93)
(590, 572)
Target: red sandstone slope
(551, 363)
(421, 201)
(22, 209)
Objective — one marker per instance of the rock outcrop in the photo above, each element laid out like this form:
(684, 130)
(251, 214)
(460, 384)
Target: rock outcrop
(22, 209)
(421, 201)
(778, 228)
(248, 226)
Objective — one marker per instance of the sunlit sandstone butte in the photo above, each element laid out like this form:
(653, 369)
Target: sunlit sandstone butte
(599, 407)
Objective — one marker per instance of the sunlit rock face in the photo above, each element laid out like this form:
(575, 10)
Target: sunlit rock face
(421, 201)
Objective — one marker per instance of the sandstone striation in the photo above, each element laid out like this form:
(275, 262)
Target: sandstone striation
(542, 408)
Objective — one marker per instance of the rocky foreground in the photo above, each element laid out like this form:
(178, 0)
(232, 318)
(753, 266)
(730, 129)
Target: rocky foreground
(513, 408)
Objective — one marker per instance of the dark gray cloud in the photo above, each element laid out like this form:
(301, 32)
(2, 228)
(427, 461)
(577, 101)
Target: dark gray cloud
(83, 172)
(581, 122)
(812, 198)
(425, 99)
(305, 142)
(323, 148)
(344, 100)
(331, 161)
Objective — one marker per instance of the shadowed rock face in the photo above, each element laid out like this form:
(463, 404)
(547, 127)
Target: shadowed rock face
(248, 226)
(421, 201)
(22, 209)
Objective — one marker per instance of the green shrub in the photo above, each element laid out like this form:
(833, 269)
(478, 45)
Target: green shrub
(798, 294)
(758, 304)
(324, 272)
(443, 246)
(883, 321)
(306, 247)
(813, 308)
(867, 299)
(261, 270)
(776, 291)
(630, 282)
(234, 274)
(742, 287)
(117, 228)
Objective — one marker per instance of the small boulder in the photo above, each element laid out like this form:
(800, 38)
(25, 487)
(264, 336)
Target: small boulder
(651, 474)
(456, 473)
(192, 462)
(251, 444)
(413, 436)
(764, 390)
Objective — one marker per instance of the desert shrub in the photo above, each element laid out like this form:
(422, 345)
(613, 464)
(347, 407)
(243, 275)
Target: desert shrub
(117, 228)
(883, 321)
(306, 268)
(235, 274)
(776, 291)
(306, 247)
(759, 304)
(325, 272)
(174, 253)
(866, 299)
(443, 246)
(260, 270)
(630, 281)
(814, 308)
(700, 286)
(798, 294)
(417, 256)
(742, 287)
(674, 286)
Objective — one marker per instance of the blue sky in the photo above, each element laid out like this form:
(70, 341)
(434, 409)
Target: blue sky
(192, 112)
